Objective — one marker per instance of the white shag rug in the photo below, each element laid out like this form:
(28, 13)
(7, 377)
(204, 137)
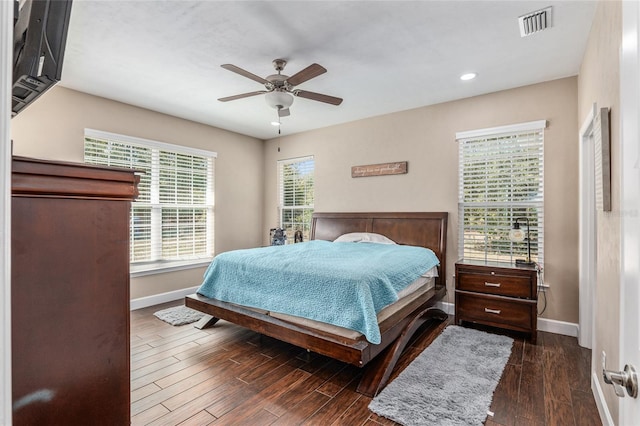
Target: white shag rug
(450, 383)
(179, 315)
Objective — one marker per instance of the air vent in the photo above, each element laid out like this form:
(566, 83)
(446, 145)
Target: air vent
(535, 22)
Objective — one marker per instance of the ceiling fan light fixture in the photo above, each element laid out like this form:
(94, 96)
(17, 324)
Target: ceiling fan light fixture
(278, 99)
(275, 123)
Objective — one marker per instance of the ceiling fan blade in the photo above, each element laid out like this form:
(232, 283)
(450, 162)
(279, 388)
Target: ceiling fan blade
(308, 73)
(283, 112)
(244, 73)
(318, 97)
(243, 95)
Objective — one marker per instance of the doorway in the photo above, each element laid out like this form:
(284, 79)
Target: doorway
(588, 234)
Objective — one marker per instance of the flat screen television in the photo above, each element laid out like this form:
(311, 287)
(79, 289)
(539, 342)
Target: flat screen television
(39, 38)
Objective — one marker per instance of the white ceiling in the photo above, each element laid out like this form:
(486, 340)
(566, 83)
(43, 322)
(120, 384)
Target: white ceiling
(381, 56)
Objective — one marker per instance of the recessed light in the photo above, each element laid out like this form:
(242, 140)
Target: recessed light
(275, 123)
(468, 76)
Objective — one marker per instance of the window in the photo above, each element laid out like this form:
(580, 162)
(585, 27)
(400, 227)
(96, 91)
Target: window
(295, 188)
(501, 177)
(172, 218)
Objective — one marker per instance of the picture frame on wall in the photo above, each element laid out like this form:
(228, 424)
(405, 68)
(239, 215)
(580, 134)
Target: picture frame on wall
(602, 146)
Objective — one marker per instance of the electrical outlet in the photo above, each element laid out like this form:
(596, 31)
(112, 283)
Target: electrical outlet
(604, 360)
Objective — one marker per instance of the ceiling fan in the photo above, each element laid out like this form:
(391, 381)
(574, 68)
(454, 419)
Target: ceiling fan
(280, 88)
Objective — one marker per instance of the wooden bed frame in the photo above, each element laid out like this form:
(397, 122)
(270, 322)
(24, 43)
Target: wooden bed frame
(418, 229)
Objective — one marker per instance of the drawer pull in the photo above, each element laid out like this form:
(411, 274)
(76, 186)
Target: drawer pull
(492, 311)
(491, 284)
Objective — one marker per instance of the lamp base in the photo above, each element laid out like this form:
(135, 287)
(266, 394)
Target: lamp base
(523, 262)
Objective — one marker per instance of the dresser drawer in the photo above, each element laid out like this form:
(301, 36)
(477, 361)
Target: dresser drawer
(494, 283)
(496, 311)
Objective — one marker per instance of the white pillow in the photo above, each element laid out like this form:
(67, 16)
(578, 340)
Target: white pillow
(363, 237)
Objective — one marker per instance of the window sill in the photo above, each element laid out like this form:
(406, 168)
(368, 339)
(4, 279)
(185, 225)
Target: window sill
(163, 267)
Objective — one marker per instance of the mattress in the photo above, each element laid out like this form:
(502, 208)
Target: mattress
(345, 284)
(415, 290)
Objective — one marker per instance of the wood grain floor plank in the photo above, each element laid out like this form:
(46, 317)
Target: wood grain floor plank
(340, 380)
(235, 393)
(186, 411)
(506, 392)
(150, 359)
(294, 395)
(517, 352)
(585, 409)
(531, 397)
(147, 369)
(185, 389)
(531, 352)
(200, 419)
(335, 407)
(149, 415)
(144, 392)
(559, 413)
(523, 421)
(141, 347)
(228, 375)
(167, 372)
(556, 381)
(312, 403)
(182, 396)
(579, 369)
(357, 414)
(248, 408)
(260, 418)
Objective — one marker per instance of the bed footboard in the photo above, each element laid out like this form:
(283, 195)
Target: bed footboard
(378, 371)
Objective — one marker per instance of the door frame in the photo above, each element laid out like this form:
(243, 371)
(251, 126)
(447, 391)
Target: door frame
(587, 231)
(6, 53)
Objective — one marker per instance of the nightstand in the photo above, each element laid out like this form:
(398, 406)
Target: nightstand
(497, 294)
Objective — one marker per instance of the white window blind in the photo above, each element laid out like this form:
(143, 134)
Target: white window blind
(296, 195)
(172, 218)
(501, 178)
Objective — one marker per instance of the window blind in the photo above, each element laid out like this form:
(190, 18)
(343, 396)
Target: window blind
(296, 195)
(501, 178)
(172, 218)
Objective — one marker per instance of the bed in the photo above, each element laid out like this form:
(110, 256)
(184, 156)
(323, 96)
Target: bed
(420, 229)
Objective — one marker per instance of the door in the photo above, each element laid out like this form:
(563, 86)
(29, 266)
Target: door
(630, 203)
(6, 53)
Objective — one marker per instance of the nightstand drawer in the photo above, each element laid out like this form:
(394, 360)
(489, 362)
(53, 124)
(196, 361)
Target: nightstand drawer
(495, 283)
(496, 311)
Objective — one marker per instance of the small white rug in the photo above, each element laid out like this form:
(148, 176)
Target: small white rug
(450, 383)
(179, 315)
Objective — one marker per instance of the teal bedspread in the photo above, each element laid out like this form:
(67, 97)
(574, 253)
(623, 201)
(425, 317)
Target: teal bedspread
(344, 284)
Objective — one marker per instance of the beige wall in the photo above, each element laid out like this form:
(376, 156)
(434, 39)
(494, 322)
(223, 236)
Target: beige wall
(52, 128)
(599, 82)
(425, 137)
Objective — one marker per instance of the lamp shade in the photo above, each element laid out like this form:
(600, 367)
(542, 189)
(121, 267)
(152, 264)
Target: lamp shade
(278, 99)
(516, 235)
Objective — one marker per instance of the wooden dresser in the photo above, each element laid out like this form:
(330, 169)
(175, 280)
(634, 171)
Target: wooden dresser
(497, 294)
(70, 293)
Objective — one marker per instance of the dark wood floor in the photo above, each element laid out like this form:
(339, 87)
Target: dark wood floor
(227, 375)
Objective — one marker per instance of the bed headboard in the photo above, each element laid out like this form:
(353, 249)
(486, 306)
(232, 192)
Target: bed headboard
(425, 229)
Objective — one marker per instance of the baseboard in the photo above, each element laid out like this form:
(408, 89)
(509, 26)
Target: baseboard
(156, 299)
(558, 327)
(449, 308)
(544, 324)
(601, 403)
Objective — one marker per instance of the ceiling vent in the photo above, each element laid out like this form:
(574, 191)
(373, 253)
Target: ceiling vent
(535, 22)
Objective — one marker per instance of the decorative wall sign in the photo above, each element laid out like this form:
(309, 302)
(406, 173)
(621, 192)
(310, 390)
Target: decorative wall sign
(601, 138)
(397, 168)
